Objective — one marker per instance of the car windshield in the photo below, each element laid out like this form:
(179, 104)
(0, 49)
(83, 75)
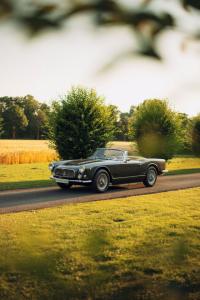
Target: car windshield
(104, 153)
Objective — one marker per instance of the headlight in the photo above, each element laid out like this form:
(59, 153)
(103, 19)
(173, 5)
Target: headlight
(81, 170)
(51, 166)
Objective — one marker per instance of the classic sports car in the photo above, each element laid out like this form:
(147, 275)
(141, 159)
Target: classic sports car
(107, 167)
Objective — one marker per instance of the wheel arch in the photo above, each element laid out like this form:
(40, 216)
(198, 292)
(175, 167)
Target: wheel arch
(102, 168)
(155, 166)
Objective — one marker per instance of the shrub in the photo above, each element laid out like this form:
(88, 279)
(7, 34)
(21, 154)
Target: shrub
(196, 135)
(185, 134)
(156, 129)
(80, 123)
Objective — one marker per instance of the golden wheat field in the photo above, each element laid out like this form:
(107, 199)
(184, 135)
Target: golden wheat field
(26, 151)
(36, 151)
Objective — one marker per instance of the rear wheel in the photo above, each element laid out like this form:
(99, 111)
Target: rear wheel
(101, 181)
(64, 186)
(151, 177)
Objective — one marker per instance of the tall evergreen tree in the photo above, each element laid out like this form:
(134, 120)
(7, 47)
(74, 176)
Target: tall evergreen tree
(81, 122)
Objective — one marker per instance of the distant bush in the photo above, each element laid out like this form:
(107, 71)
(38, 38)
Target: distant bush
(80, 123)
(196, 135)
(156, 129)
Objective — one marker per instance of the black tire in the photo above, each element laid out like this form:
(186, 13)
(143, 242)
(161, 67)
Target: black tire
(101, 181)
(151, 177)
(64, 186)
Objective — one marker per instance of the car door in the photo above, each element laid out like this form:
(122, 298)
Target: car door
(125, 170)
(133, 168)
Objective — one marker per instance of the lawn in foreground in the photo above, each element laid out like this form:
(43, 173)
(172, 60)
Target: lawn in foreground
(144, 247)
(37, 174)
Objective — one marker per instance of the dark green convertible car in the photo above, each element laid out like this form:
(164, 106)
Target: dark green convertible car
(107, 167)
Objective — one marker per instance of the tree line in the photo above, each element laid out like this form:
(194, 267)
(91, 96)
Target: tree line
(23, 117)
(27, 118)
(80, 122)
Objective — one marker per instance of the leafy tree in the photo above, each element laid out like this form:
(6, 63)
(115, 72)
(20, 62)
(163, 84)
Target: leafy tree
(80, 123)
(1, 119)
(196, 135)
(115, 114)
(34, 113)
(1, 125)
(37, 114)
(156, 128)
(122, 125)
(31, 107)
(41, 124)
(43, 121)
(185, 134)
(15, 120)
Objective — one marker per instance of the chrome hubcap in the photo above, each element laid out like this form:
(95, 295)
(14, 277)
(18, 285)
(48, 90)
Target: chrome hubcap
(102, 181)
(151, 176)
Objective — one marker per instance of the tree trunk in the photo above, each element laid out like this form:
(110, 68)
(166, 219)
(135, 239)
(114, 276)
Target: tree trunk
(38, 133)
(14, 132)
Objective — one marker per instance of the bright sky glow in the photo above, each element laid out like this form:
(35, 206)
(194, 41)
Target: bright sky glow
(49, 65)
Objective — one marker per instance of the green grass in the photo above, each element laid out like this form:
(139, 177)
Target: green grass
(144, 247)
(183, 165)
(37, 174)
(24, 176)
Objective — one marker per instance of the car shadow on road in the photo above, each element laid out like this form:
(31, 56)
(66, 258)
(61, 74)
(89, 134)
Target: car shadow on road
(37, 190)
(114, 188)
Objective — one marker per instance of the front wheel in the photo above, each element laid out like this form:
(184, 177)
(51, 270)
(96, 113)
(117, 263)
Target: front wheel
(151, 177)
(64, 186)
(101, 181)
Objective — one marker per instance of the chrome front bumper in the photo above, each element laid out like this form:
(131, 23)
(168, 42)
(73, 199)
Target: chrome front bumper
(63, 180)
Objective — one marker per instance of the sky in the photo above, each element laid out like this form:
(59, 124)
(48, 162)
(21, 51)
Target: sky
(48, 65)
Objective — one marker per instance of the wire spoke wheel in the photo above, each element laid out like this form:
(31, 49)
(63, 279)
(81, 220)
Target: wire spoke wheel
(101, 181)
(151, 177)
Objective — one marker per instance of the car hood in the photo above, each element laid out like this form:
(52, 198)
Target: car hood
(80, 162)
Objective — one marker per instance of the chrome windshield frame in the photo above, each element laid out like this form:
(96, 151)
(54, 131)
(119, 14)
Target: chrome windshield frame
(123, 156)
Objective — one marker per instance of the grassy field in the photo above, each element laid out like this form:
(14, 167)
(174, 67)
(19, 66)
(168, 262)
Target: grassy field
(144, 247)
(37, 174)
(25, 151)
(183, 165)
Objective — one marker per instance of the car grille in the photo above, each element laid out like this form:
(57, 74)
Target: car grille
(66, 173)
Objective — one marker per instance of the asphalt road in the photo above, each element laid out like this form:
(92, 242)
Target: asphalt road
(31, 199)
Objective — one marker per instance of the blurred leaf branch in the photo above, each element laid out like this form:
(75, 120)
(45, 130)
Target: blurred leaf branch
(140, 16)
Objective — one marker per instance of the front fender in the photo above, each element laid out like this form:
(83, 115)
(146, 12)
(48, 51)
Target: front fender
(96, 169)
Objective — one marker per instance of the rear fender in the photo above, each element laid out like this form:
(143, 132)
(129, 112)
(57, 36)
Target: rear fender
(156, 167)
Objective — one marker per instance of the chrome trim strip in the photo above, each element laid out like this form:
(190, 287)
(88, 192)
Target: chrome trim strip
(80, 181)
(129, 176)
(73, 180)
